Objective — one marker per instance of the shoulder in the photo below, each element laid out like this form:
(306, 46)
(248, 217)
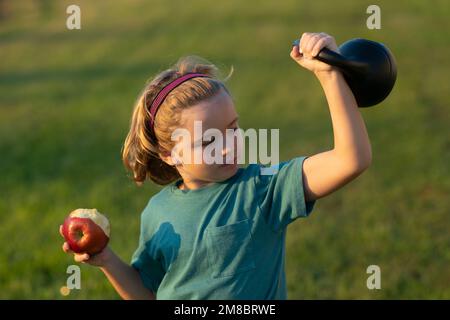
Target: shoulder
(270, 170)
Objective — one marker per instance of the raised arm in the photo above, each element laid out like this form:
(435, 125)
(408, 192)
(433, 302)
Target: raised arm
(330, 170)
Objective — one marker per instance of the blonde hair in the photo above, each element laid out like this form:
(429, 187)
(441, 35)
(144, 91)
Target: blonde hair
(142, 148)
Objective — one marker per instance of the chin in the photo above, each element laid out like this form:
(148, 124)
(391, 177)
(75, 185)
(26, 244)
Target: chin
(228, 171)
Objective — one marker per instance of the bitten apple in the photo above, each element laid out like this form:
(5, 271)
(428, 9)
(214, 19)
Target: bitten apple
(86, 231)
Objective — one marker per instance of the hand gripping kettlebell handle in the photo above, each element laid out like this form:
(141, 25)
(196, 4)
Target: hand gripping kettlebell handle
(336, 60)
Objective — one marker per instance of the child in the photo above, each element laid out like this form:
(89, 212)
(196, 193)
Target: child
(217, 231)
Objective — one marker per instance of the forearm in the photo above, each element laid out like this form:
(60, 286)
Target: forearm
(351, 141)
(125, 279)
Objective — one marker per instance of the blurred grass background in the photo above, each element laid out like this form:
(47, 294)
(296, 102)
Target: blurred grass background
(65, 104)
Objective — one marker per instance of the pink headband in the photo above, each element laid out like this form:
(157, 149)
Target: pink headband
(166, 90)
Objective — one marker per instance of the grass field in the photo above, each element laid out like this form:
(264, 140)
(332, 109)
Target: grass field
(66, 99)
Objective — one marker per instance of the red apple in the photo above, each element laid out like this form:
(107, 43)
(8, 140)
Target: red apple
(86, 231)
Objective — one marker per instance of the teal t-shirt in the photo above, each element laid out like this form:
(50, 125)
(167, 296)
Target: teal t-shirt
(222, 241)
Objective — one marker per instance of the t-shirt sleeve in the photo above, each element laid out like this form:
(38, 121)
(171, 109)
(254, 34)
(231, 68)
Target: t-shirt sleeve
(145, 260)
(280, 193)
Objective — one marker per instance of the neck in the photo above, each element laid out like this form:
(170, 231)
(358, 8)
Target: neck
(193, 184)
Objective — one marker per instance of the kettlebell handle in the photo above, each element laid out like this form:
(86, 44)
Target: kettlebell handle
(347, 66)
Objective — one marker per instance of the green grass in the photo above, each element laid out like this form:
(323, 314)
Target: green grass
(66, 98)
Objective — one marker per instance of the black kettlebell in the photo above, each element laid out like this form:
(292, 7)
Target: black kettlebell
(368, 67)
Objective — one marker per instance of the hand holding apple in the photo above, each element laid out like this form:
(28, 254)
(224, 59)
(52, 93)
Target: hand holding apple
(86, 231)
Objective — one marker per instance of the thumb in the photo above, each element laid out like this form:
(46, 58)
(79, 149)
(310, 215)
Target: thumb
(296, 54)
(299, 57)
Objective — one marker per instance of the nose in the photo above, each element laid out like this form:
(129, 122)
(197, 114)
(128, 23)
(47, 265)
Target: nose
(226, 151)
(229, 152)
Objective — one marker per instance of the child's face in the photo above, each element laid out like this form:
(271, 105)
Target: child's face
(217, 112)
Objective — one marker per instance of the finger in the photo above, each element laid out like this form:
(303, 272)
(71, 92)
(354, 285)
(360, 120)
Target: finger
(310, 45)
(295, 53)
(83, 257)
(61, 231)
(303, 39)
(320, 44)
(300, 59)
(66, 247)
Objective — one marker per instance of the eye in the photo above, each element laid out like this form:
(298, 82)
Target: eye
(234, 126)
(205, 143)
